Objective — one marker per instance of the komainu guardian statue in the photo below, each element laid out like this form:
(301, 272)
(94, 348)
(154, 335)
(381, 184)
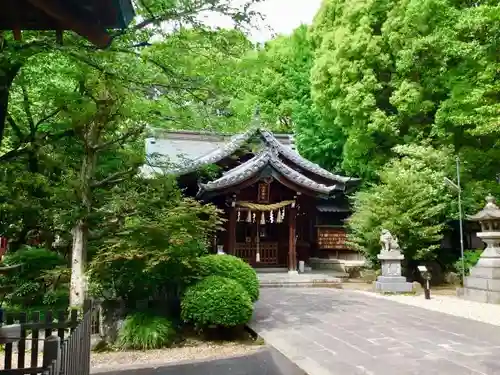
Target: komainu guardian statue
(389, 242)
(391, 280)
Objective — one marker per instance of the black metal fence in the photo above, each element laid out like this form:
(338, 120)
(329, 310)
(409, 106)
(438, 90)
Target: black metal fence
(66, 343)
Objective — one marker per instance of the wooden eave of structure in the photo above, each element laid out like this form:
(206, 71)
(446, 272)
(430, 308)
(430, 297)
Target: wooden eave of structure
(332, 208)
(270, 142)
(267, 163)
(89, 18)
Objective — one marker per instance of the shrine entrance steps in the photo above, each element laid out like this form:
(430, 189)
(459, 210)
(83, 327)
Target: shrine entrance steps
(280, 278)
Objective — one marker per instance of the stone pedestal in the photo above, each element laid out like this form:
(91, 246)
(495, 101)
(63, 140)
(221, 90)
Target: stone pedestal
(483, 284)
(391, 280)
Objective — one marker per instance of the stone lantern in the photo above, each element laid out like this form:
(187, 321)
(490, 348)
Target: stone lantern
(483, 284)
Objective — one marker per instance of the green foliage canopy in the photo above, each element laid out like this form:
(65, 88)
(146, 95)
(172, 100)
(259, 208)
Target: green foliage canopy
(410, 201)
(33, 284)
(153, 236)
(393, 72)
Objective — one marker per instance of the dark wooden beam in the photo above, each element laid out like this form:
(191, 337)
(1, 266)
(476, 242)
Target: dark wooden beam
(231, 230)
(205, 195)
(69, 20)
(292, 249)
(17, 34)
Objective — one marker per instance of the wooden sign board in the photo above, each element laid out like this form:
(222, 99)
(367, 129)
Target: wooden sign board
(263, 194)
(332, 238)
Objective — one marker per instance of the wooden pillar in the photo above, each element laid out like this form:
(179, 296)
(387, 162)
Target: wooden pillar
(231, 235)
(292, 249)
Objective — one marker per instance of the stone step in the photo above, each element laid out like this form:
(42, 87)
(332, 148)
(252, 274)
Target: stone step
(320, 284)
(272, 270)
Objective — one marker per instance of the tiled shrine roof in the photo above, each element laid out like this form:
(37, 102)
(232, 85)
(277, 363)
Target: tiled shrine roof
(267, 158)
(237, 142)
(272, 155)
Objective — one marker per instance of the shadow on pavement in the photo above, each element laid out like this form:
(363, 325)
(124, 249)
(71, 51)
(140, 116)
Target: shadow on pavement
(266, 361)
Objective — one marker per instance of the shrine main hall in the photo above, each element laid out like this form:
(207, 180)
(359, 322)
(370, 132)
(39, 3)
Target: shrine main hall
(280, 208)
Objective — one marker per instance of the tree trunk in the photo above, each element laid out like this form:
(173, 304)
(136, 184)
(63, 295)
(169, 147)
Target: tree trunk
(78, 285)
(7, 74)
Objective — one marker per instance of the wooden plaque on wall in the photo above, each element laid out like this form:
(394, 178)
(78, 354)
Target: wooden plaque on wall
(332, 238)
(263, 193)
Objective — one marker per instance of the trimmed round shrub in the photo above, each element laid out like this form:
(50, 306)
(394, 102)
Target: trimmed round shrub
(142, 331)
(216, 301)
(232, 268)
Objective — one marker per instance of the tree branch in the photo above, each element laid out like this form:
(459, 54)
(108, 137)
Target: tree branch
(123, 138)
(49, 116)
(13, 153)
(27, 110)
(167, 16)
(25, 149)
(113, 178)
(66, 133)
(16, 128)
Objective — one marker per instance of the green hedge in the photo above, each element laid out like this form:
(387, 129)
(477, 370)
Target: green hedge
(216, 301)
(232, 268)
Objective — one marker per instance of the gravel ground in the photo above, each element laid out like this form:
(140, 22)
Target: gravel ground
(113, 360)
(481, 312)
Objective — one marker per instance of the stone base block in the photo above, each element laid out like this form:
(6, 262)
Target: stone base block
(485, 272)
(480, 283)
(393, 284)
(338, 265)
(478, 295)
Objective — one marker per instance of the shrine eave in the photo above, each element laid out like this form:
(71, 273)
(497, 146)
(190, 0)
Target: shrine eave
(267, 163)
(90, 18)
(332, 208)
(300, 161)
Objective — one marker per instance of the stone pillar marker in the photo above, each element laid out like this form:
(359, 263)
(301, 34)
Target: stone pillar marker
(390, 257)
(483, 283)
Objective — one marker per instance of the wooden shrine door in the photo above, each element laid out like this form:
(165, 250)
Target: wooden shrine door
(256, 245)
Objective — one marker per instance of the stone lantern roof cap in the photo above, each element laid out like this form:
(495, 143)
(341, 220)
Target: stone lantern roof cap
(489, 212)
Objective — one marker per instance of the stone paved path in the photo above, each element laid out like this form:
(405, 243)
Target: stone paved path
(338, 332)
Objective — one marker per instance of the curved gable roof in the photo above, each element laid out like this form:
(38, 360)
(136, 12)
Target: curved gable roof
(252, 169)
(270, 141)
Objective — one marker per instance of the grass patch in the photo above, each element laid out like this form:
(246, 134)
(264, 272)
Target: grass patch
(143, 331)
